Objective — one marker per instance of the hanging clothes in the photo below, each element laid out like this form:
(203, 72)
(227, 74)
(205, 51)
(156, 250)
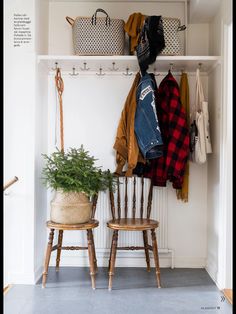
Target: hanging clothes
(150, 42)
(201, 117)
(126, 145)
(175, 135)
(182, 193)
(133, 27)
(146, 123)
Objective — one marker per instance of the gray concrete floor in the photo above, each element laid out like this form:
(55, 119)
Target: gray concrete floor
(134, 291)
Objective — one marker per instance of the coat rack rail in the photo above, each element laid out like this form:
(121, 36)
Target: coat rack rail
(120, 64)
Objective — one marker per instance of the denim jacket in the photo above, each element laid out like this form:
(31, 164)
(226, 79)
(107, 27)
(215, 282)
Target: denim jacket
(146, 123)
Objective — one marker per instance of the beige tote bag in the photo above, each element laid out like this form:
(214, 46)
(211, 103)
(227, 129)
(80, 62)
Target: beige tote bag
(203, 141)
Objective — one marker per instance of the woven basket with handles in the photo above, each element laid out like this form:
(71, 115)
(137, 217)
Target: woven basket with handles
(97, 35)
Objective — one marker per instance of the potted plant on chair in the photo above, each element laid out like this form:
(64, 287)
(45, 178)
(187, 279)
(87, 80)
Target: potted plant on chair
(75, 179)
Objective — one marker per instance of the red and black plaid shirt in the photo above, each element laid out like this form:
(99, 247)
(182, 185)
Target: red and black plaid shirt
(175, 135)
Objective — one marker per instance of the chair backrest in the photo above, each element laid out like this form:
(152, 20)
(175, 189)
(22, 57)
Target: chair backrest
(132, 198)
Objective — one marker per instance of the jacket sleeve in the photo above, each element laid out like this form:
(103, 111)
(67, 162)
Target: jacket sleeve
(121, 144)
(125, 143)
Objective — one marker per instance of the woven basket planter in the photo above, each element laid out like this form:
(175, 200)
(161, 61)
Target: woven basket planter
(70, 208)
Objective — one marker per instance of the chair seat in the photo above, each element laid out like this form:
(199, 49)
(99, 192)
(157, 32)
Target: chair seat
(92, 223)
(132, 224)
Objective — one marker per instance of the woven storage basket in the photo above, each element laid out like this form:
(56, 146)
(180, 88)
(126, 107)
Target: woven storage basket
(171, 29)
(97, 35)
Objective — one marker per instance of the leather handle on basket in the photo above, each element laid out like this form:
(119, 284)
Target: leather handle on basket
(70, 20)
(94, 17)
(100, 10)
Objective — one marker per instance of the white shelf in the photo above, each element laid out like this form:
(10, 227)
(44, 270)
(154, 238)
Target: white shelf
(162, 64)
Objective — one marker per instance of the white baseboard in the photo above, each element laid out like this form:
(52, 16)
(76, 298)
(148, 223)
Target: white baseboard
(25, 278)
(38, 273)
(123, 259)
(190, 262)
(212, 270)
(22, 278)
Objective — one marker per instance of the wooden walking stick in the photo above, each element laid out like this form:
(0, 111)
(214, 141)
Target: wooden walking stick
(60, 88)
(10, 183)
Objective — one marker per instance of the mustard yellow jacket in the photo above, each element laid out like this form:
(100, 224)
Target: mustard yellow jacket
(126, 145)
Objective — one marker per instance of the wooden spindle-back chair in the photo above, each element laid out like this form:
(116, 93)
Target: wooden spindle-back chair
(126, 217)
(88, 226)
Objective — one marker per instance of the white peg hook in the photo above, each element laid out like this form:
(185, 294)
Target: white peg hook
(113, 67)
(73, 73)
(85, 67)
(154, 72)
(56, 66)
(127, 72)
(100, 72)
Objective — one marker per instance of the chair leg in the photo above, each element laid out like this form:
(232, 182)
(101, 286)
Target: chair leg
(156, 258)
(145, 241)
(94, 254)
(47, 257)
(110, 253)
(113, 258)
(91, 258)
(60, 237)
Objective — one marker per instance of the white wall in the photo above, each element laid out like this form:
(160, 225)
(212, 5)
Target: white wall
(219, 179)
(197, 34)
(228, 281)
(215, 97)
(60, 28)
(201, 11)
(197, 39)
(23, 142)
(41, 128)
(26, 132)
(19, 141)
(92, 108)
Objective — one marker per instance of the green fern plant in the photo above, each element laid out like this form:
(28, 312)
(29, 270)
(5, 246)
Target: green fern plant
(75, 171)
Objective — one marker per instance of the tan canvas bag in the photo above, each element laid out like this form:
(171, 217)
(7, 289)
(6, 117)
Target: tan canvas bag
(203, 141)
